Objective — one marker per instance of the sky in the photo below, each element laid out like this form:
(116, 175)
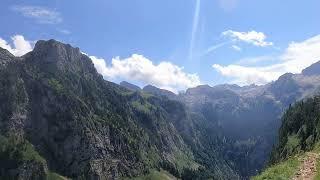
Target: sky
(173, 44)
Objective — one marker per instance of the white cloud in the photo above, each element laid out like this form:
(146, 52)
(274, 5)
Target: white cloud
(237, 48)
(138, 68)
(243, 75)
(294, 59)
(42, 15)
(251, 37)
(20, 45)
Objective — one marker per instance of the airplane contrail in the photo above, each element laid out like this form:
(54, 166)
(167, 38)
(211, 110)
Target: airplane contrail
(214, 47)
(194, 27)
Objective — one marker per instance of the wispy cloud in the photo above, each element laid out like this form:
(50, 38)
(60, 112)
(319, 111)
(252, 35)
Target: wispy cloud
(214, 47)
(64, 31)
(237, 48)
(251, 61)
(138, 68)
(20, 45)
(195, 24)
(251, 37)
(294, 59)
(40, 14)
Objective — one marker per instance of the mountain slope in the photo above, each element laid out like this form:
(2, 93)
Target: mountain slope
(314, 69)
(130, 86)
(300, 129)
(246, 119)
(159, 92)
(298, 135)
(86, 127)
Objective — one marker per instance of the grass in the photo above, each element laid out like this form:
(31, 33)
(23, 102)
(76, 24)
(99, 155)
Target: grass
(12, 149)
(183, 161)
(286, 169)
(155, 175)
(56, 85)
(54, 176)
(317, 150)
(317, 177)
(281, 171)
(144, 107)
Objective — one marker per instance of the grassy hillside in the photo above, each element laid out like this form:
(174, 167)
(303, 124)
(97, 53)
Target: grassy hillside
(298, 138)
(283, 170)
(155, 175)
(288, 168)
(300, 129)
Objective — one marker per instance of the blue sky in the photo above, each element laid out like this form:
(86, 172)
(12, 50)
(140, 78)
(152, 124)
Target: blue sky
(187, 42)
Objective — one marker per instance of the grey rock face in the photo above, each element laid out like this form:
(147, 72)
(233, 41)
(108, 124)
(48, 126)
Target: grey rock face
(30, 171)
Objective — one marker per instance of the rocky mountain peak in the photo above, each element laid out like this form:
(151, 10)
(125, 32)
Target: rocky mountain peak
(53, 51)
(5, 56)
(52, 55)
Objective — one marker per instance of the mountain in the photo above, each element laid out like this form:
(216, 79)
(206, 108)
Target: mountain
(159, 92)
(246, 118)
(130, 86)
(314, 69)
(297, 149)
(299, 131)
(249, 117)
(58, 115)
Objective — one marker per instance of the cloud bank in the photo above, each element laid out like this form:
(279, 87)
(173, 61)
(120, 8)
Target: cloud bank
(251, 37)
(138, 68)
(20, 45)
(294, 59)
(42, 15)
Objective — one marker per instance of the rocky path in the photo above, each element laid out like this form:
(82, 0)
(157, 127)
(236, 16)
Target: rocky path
(307, 170)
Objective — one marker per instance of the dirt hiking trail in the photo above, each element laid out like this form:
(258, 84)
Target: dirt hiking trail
(308, 167)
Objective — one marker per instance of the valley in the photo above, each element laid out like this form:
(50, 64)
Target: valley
(58, 115)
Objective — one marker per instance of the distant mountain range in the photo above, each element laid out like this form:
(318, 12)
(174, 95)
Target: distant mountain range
(58, 117)
(249, 116)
